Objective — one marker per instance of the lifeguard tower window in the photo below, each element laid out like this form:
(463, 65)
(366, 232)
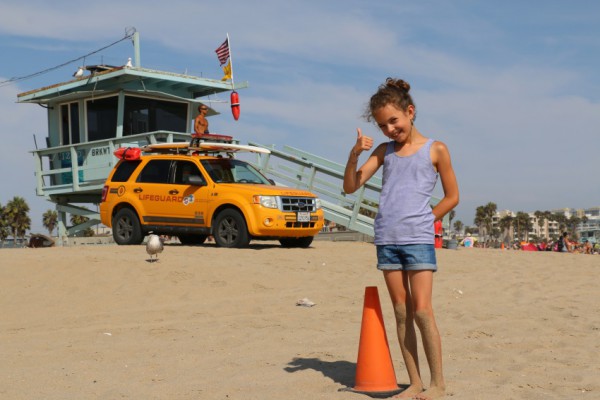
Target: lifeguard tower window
(124, 171)
(102, 118)
(69, 123)
(156, 171)
(149, 115)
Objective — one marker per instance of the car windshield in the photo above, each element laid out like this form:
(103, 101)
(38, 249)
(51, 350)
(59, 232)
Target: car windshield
(230, 170)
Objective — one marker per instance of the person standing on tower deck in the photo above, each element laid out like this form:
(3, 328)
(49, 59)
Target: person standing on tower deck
(201, 123)
(404, 232)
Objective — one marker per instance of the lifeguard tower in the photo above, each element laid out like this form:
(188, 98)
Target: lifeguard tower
(106, 108)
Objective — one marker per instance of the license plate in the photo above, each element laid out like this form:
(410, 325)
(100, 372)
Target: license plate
(303, 216)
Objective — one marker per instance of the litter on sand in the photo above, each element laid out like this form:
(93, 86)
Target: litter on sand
(305, 303)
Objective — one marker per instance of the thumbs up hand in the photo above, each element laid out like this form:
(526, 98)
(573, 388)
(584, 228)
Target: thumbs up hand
(362, 142)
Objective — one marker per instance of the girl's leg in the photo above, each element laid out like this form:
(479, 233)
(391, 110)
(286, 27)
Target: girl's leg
(397, 284)
(421, 287)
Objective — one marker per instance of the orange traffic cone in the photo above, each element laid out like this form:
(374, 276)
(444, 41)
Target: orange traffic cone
(502, 246)
(375, 373)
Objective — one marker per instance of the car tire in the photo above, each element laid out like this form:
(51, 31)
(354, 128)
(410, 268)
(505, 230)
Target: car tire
(126, 227)
(231, 229)
(303, 242)
(192, 239)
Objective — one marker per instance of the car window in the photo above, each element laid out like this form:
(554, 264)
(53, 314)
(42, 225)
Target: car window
(228, 170)
(184, 169)
(124, 170)
(156, 171)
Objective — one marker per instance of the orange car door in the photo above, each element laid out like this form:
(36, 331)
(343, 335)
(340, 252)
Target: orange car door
(191, 207)
(153, 192)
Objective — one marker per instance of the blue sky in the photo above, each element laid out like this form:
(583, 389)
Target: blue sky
(511, 87)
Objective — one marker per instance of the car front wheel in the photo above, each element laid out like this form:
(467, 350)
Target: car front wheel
(126, 227)
(231, 230)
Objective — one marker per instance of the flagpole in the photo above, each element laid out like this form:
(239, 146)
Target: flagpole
(230, 61)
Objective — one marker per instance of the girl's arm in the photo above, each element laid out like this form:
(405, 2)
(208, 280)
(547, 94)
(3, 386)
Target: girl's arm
(440, 157)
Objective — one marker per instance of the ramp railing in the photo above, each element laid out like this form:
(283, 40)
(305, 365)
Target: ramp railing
(297, 168)
(300, 169)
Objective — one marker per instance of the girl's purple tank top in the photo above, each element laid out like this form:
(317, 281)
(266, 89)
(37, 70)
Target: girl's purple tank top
(404, 215)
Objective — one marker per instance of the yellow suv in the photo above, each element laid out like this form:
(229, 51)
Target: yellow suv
(192, 196)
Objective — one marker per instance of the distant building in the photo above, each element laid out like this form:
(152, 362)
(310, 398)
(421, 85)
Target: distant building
(590, 230)
(547, 230)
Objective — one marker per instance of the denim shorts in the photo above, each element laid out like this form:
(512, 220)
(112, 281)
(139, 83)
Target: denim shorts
(406, 257)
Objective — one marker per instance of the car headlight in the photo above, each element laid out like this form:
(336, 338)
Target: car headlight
(266, 201)
(318, 203)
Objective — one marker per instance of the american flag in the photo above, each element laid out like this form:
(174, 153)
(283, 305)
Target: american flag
(223, 52)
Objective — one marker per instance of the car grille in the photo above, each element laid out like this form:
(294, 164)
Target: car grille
(300, 225)
(295, 204)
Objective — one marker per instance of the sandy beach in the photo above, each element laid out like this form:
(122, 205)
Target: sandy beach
(101, 322)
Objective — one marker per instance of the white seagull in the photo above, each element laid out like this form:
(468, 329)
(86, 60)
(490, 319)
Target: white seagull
(129, 65)
(79, 73)
(154, 246)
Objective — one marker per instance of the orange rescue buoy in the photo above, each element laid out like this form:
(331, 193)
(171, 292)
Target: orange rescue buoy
(235, 105)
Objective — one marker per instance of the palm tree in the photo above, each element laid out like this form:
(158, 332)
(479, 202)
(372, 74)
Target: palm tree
(4, 229)
(484, 218)
(451, 216)
(458, 226)
(80, 219)
(562, 221)
(49, 220)
(541, 219)
(523, 225)
(572, 223)
(479, 217)
(506, 224)
(16, 213)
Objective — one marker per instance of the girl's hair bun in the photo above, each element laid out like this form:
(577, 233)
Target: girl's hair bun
(397, 84)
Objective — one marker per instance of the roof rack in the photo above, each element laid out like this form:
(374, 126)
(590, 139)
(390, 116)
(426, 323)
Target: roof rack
(211, 137)
(203, 147)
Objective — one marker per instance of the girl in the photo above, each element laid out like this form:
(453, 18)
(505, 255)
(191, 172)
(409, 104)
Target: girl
(404, 234)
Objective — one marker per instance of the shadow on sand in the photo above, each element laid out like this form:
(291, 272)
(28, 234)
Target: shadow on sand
(342, 372)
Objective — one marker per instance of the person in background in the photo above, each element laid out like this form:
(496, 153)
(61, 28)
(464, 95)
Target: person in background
(564, 244)
(201, 123)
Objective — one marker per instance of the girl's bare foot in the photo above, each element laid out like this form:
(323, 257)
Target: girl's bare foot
(409, 392)
(430, 394)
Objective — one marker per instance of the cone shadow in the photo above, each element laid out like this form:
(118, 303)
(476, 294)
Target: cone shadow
(341, 372)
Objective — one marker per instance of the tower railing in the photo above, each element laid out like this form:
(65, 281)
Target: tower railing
(56, 173)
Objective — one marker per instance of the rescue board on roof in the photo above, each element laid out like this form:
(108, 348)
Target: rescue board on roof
(204, 147)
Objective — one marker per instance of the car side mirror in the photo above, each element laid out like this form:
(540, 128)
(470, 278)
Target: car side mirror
(195, 180)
